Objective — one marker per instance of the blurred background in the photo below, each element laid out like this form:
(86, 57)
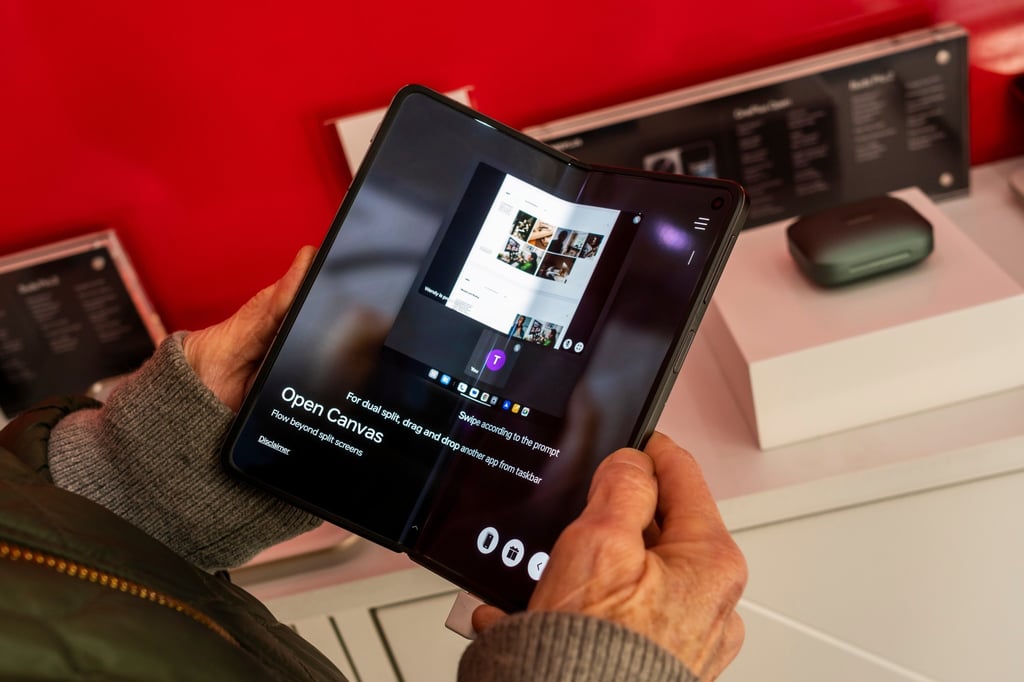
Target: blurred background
(197, 129)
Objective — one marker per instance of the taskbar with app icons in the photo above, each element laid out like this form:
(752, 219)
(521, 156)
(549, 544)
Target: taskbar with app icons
(476, 394)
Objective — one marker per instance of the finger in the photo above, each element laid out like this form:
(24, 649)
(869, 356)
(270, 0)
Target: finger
(288, 285)
(485, 616)
(623, 493)
(261, 316)
(686, 505)
(601, 553)
(225, 355)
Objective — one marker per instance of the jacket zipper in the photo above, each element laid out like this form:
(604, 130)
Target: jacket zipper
(74, 569)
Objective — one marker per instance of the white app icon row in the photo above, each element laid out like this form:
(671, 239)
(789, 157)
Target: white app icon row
(577, 347)
(512, 552)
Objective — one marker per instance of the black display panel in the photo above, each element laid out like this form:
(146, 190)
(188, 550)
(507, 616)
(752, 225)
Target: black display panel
(803, 136)
(71, 314)
(486, 320)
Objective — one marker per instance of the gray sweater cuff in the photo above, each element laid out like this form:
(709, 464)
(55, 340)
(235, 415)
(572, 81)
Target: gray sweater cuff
(151, 455)
(567, 647)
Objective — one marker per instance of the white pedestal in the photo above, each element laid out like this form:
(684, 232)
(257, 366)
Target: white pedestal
(804, 361)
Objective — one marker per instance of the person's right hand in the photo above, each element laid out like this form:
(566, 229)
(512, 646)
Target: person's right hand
(650, 552)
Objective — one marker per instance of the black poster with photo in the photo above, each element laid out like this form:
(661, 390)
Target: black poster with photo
(804, 136)
(67, 320)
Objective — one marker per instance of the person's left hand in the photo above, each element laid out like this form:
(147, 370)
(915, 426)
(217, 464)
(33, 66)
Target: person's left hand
(226, 355)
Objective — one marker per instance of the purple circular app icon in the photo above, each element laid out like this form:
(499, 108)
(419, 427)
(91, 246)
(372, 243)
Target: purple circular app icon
(495, 360)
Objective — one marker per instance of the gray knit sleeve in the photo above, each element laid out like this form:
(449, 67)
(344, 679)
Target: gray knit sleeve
(539, 646)
(151, 455)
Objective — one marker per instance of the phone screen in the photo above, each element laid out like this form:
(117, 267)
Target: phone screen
(486, 320)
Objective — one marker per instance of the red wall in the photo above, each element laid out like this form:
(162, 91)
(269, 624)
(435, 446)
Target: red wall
(196, 128)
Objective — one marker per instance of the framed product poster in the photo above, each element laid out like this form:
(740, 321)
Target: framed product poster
(72, 314)
(805, 135)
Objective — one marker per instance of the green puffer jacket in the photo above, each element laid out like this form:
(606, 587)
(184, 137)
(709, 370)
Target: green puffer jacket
(87, 595)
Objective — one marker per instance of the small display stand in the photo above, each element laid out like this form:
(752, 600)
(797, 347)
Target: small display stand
(804, 361)
(72, 314)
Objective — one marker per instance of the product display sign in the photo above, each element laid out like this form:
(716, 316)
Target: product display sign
(71, 314)
(804, 136)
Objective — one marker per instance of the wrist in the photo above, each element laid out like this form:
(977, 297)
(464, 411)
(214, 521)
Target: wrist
(567, 646)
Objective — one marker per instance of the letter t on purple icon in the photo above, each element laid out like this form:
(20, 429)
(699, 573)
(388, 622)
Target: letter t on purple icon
(495, 360)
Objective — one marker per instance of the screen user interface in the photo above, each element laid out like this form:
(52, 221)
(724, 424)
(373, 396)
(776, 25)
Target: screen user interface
(486, 322)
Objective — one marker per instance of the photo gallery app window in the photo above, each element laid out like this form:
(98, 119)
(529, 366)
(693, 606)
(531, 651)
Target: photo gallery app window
(531, 262)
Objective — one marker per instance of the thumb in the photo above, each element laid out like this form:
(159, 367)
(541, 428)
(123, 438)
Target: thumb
(261, 315)
(288, 286)
(623, 493)
(485, 616)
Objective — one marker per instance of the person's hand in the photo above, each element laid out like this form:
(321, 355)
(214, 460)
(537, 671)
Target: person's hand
(226, 355)
(650, 552)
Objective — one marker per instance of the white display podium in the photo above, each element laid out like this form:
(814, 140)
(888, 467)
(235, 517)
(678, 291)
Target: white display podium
(805, 361)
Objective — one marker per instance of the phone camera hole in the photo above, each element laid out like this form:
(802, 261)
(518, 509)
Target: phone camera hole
(717, 203)
(637, 218)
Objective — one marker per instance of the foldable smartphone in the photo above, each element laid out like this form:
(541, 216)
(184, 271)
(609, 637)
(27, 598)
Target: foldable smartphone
(486, 319)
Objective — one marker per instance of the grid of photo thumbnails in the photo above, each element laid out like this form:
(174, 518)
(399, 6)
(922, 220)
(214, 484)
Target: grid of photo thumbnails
(543, 250)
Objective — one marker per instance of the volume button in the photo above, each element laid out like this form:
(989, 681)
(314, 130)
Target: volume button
(687, 340)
